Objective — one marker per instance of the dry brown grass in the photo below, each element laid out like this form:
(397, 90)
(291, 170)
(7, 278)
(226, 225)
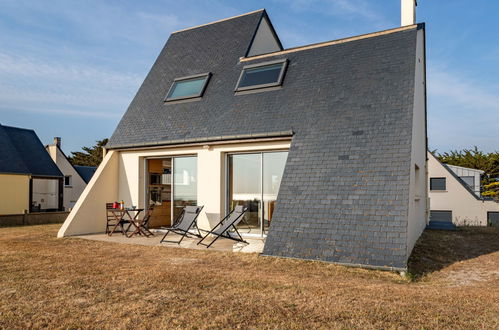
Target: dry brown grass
(73, 283)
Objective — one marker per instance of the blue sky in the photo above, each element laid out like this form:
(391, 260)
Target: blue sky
(70, 68)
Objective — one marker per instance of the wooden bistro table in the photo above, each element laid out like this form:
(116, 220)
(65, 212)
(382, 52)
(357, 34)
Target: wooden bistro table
(127, 216)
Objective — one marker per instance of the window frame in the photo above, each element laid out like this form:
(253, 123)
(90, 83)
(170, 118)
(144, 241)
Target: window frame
(284, 66)
(468, 176)
(207, 76)
(445, 183)
(70, 181)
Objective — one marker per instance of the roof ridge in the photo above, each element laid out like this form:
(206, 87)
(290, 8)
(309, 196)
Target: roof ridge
(333, 42)
(25, 129)
(219, 21)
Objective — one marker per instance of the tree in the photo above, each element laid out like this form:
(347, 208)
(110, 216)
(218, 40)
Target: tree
(474, 158)
(90, 156)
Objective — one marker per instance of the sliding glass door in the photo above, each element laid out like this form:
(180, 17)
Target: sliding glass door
(184, 183)
(253, 181)
(273, 168)
(171, 185)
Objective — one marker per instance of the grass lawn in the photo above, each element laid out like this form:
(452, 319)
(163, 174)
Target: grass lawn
(74, 283)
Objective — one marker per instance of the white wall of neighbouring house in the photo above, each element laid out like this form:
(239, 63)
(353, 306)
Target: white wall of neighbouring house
(74, 190)
(467, 209)
(418, 192)
(88, 216)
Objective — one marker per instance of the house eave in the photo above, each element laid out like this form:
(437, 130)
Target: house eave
(271, 136)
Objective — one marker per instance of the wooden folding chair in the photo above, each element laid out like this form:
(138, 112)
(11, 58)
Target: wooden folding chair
(113, 220)
(142, 225)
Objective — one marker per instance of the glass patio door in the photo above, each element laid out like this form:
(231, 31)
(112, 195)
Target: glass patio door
(184, 183)
(253, 181)
(245, 178)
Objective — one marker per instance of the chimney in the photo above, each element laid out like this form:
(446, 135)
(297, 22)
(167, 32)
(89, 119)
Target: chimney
(57, 141)
(408, 12)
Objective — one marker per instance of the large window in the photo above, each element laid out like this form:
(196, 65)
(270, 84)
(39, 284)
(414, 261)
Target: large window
(438, 184)
(469, 180)
(253, 181)
(262, 75)
(188, 87)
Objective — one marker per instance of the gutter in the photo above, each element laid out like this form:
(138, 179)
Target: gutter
(204, 140)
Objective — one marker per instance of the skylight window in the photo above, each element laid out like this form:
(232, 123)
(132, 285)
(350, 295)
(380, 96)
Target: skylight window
(188, 87)
(268, 74)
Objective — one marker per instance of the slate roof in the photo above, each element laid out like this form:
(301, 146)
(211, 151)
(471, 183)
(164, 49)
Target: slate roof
(349, 108)
(86, 172)
(22, 152)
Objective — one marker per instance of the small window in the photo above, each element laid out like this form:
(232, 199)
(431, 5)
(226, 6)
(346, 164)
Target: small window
(469, 180)
(67, 180)
(438, 184)
(262, 75)
(188, 87)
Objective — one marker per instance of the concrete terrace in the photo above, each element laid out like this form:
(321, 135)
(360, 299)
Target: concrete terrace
(222, 244)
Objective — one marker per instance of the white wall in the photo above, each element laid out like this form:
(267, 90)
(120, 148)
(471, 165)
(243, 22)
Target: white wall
(466, 208)
(418, 197)
(89, 213)
(73, 192)
(121, 176)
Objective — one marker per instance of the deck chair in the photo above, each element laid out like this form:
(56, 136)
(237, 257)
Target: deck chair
(185, 221)
(229, 222)
(112, 221)
(142, 225)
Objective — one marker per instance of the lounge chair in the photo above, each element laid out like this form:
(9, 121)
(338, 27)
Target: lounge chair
(229, 222)
(187, 220)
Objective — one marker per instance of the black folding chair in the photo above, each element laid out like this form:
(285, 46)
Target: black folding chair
(222, 228)
(186, 220)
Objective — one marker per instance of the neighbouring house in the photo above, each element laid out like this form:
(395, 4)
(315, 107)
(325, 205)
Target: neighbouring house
(76, 178)
(29, 179)
(455, 198)
(324, 143)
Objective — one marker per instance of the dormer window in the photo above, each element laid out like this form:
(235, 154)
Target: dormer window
(188, 87)
(262, 75)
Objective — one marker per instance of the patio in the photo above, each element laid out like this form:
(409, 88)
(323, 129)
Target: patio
(225, 245)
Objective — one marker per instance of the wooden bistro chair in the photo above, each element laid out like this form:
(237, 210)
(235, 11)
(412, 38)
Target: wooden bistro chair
(114, 220)
(142, 225)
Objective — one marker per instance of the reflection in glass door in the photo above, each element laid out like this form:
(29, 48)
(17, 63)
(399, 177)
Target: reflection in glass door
(253, 181)
(273, 168)
(245, 177)
(184, 183)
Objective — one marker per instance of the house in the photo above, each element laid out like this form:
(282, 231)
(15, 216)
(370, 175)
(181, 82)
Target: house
(455, 196)
(29, 179)
(75, 177)
(325, 143)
